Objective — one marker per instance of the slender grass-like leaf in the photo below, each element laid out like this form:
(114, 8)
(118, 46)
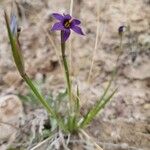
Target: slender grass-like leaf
(72, 123)
(16, 51)
(95, 110)
(78, 100)
(17, 55)
(38, 95)
(47, 106)
(98, 106)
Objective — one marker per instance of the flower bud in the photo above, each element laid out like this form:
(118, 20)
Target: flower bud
(16, 50)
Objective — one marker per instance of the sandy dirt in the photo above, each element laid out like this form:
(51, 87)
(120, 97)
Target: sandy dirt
(124, 123)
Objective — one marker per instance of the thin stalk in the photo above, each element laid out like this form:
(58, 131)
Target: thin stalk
(67, 76)
(96, 41)
(43, 101)
(91, 139)
(38, 95)
(71, 6)
(50, 40)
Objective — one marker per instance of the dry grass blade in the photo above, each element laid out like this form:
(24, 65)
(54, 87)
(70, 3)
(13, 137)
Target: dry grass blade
(40, 144)
(51, 42)
(96, 40)
(90, 138)
(71, 7)
(70, 45)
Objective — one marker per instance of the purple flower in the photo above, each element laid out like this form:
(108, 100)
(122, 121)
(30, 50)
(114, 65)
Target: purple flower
(65, 24)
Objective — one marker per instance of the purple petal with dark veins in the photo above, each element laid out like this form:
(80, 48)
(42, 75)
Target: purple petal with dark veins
(57, 26)
(66, 34)
(58, 16)
(77, 30)
(75, 22)
(67, 16)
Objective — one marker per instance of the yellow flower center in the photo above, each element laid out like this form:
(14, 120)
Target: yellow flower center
(67, 23)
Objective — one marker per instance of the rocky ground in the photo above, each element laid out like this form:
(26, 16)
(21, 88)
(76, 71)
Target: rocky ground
(124, 124)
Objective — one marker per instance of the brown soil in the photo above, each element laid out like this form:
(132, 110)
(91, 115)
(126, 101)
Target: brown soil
(124, 124)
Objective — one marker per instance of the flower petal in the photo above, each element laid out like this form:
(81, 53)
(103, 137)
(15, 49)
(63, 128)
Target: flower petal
(57, 26)
(75, 22)
(67, 16)
(66, 34)
(58, 16)
(77, 30)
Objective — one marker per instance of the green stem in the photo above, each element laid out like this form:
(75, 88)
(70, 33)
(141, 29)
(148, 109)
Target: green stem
(43, 102)
(67, 76)
(38, 95)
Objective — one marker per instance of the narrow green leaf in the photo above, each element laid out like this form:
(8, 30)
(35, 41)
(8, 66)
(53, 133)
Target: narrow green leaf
(16, 51)
(95, 110)
(98, 106)
(72, 123)
(78, 102)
